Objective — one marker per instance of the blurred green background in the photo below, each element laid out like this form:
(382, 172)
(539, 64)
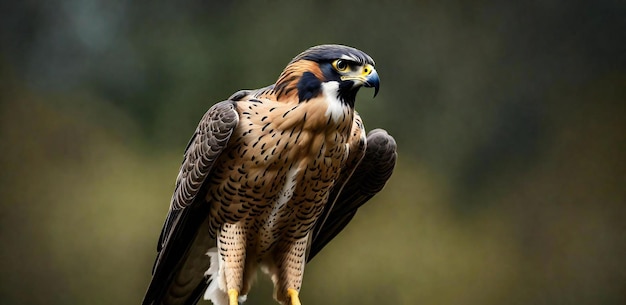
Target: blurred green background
(510, 119)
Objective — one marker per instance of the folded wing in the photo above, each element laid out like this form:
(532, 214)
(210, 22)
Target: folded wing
(360, 185)
(173, 278)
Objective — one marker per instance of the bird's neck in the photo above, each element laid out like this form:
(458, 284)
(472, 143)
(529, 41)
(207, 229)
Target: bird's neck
(300, 81)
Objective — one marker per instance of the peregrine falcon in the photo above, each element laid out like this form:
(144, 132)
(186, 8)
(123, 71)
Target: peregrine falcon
(269, 177)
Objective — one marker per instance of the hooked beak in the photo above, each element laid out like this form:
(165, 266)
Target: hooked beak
(366, 76)
(372, 80)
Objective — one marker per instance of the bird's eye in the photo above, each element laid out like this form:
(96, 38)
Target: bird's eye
(340, 65)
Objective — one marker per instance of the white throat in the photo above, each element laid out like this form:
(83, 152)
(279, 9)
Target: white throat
(336, 108)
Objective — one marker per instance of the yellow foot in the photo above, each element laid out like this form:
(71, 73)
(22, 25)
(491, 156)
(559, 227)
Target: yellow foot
(233, 296)
(293, 296)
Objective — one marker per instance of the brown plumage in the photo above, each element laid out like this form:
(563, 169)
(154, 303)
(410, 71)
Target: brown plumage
(267, 181)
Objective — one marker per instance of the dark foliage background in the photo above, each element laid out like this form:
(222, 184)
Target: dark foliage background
(510, 119)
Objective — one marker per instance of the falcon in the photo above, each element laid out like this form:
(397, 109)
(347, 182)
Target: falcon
(269, 177)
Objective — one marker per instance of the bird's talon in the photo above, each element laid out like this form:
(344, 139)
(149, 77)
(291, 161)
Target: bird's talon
(293, 297)
(233, 297)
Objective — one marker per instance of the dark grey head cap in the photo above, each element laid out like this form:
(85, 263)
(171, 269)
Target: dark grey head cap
(329, 52)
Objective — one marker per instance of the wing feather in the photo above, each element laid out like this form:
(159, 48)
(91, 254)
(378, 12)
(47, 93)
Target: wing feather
(361, 184)
(187, 209)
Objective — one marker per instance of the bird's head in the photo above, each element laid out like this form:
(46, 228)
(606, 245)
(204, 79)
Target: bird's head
(335, 66)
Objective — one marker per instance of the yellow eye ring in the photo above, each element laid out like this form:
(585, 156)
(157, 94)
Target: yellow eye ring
(340, 65)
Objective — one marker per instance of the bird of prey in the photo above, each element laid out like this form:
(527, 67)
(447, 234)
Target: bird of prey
(269, 177)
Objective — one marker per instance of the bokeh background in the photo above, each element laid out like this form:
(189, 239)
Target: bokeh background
(510, 119)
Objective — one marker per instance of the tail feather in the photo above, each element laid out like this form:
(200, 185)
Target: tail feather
(186, 283)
